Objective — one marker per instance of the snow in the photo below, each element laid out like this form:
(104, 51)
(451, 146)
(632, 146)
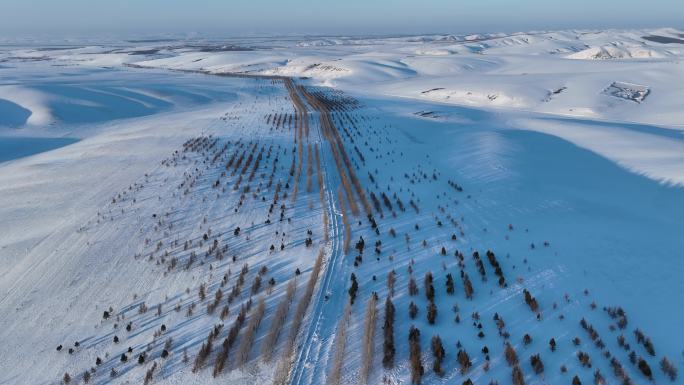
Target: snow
(18, 147)
(35, 102)
(571, 170)
(496, 64)
(644, 150)
(616, 52)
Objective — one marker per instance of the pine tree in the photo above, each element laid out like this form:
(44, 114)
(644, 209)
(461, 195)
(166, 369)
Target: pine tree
(413, 310)
(417, 369)
(388, 331)
(431, 312)
(353, 289)
(438, 353)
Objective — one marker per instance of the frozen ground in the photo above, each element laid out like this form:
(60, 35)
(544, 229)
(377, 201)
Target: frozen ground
(135, 181)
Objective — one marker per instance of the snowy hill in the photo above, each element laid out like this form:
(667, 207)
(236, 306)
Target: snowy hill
(493, 208)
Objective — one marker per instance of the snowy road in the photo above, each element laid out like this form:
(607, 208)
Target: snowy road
(312, 354)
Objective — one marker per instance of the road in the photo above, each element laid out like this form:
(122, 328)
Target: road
(313, 350)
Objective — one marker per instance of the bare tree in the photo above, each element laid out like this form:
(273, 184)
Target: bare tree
(248, 336)
(668, 368)
(537, 364)
(202, 355)
(368, 338)
(340, 343)
(511, 355)
(391, 279)
(464, 361)
(229, 341)
(278, 321)
(517, 376)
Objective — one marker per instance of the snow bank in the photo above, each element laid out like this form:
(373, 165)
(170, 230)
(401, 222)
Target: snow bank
(34, 101)
(659, 157)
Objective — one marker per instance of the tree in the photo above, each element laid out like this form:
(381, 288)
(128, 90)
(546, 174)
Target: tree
(279, 316)
(438, 353)
(353, 289)
(413, 310)
(467, 285)
(249, 334)
(598, 378)
(668, 368)
(388, 331)
(464, 361)
(202, 292)
(202, 355)
(391, 279)
(339, 343)
(584, 359)
(368, 337)
(527, 339)
(645, 369)
(517, 376)
(283, 367)
(412, 287)
(537, 364)
(431, 312)
(150, 374)
(531, 301)
(511, 355)
(429, 287)
(450, 284)
(417, 369)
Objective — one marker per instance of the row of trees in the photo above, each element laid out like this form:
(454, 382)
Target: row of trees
(417, 369)
(248, 336)
(340, 343)
(321, 193)
(278, 321)
(229, 341)
(388, 333)
(283, 368)
(368, 338)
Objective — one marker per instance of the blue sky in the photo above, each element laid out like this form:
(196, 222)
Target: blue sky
(237, 17)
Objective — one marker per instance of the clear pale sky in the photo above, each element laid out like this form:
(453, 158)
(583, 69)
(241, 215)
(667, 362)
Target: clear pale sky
(237, 17)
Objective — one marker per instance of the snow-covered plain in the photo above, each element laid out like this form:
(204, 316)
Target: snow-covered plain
(126, 171)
